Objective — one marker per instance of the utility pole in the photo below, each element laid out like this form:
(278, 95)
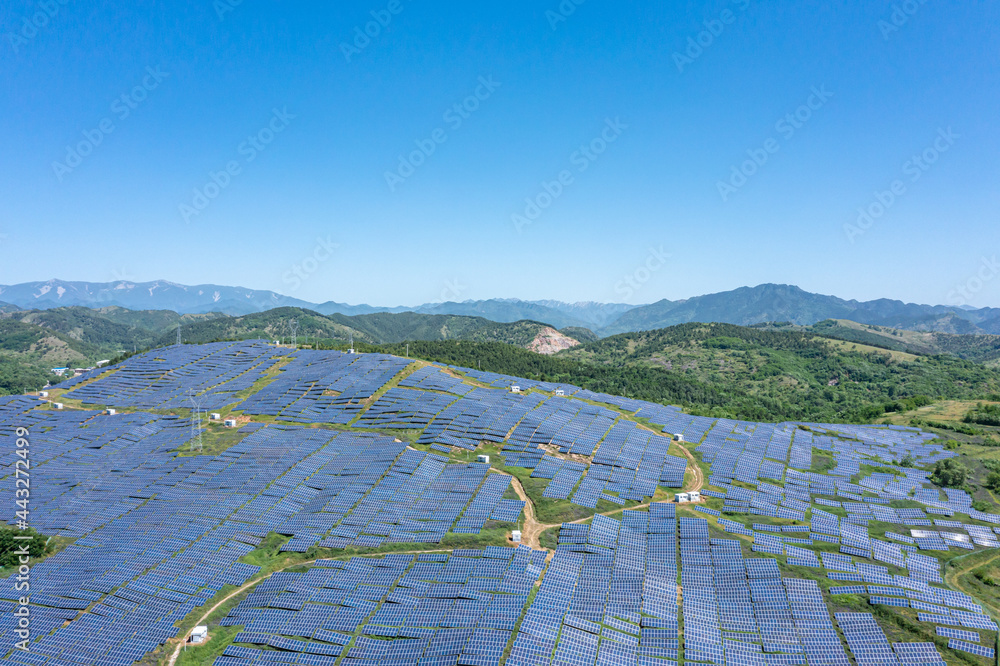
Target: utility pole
(295, 327)
(196, 443)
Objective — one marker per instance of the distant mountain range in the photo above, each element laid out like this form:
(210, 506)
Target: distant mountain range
(745, 306)
(783, 303)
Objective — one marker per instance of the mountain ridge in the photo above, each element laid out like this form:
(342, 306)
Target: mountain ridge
(744, 306)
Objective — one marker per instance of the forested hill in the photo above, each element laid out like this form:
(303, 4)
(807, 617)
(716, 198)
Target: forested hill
(738, 372)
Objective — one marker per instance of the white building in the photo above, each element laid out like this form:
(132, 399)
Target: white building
(43, 394)
(215, 416)
(483, 459)
(515, 389)
(560, 392)
(230, 423)
(515, 536)
(199, 634)
(682, 498)
(109, 412)
(694, 496)
(678, 437)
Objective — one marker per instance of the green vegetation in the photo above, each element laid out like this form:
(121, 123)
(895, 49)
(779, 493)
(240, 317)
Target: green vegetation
(580, 334)
(984, 414)
(978, 348)
(950, 473)
(12, 544)
(941, 425)
(731, 371)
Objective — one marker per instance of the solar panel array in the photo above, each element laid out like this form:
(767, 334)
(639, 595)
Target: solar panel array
(431, 608)
(157, 534)
(323, 386)
(166, 378)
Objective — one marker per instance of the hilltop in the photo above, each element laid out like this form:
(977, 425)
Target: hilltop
(745, 306)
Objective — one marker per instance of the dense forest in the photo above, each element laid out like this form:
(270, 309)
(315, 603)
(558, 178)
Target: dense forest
(767, 376)
(764, 373)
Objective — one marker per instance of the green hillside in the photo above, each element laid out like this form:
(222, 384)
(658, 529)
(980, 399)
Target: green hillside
(581, 334)
(29, 352)
(748, 373)
(386, 328)
(153, 320)
(980, 348)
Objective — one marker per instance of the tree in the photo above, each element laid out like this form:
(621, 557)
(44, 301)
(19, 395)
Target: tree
(993, 481)
(950, 473)
(9, 546)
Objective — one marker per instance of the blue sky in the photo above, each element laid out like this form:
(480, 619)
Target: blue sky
(643, 110)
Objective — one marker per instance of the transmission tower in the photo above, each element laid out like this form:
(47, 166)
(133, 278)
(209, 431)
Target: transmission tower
(178, 334)
(196, 443)
(295, 327)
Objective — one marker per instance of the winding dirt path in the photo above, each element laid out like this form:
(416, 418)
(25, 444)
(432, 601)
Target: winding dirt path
(699, 476)
(182, 640)
(530, 536)
(951, 579)
(532, 529)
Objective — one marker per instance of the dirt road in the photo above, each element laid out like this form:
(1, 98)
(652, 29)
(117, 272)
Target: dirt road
(532, 529)
(182, 640)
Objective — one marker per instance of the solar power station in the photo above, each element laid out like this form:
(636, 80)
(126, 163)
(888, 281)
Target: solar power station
(363, 467)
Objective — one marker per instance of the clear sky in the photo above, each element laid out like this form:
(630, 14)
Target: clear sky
(560, 147)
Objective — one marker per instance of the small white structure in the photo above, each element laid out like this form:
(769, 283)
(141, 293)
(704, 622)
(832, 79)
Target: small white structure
(515, 389)
(57, 405)
(483, 459)
(694, 496)
(59, 372)
(109, 411)
(43, 394)
(682, 498)
(215, 416)
(230, 423)
(199, 634)
(515, 536)
(678, 437)
(101, 364)
(561, 393)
